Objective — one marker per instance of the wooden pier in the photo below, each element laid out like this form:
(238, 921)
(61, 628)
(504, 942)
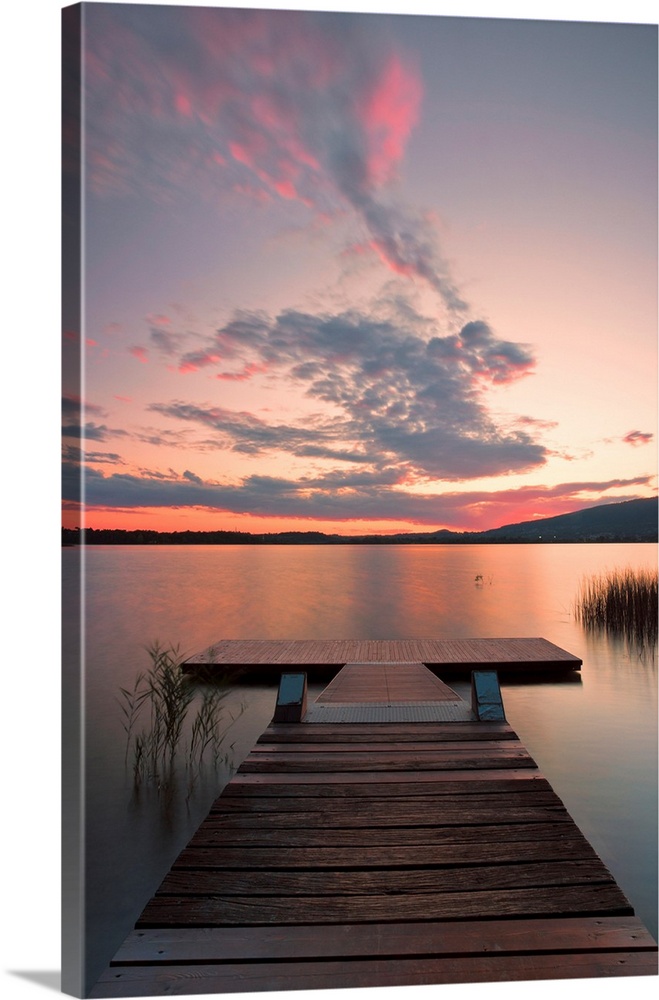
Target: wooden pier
(423, 848)
(447, 657)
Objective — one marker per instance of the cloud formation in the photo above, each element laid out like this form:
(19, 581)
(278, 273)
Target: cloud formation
(74, 424)
(140, 353)
(637, 437)
(359, 499)
(313, 108)
(404, 399)
(74, 411)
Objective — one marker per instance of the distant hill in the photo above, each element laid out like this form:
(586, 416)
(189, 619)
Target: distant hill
(629, 521)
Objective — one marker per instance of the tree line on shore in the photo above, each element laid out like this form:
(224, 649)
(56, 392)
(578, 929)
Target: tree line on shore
(630, 521)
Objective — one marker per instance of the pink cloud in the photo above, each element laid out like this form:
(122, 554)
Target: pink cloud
(390, 112)
(286, 189)
(252, 192)
(183, 105)
(262, 82)
(241, 154)
(395, 264)
(248, 372)
(500, 371)
(306, 111)
(637, 437)
(140, 353)
(199, 360)
(268, 113)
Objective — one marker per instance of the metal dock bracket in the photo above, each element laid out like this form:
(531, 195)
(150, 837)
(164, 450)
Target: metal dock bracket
(486, 701)
(291, 698)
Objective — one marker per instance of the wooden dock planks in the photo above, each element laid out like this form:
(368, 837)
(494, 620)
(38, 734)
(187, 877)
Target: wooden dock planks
(382, 854)
(364, 683)
(454, 657)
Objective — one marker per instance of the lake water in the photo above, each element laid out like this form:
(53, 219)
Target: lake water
(595, 737)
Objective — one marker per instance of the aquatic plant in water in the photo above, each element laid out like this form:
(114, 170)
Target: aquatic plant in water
(168, 695)
(622, 601)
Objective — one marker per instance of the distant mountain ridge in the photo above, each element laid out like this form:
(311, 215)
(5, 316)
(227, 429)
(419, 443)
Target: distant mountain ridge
(627, 521)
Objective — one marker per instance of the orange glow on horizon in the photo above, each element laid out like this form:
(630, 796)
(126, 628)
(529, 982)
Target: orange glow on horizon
(156, 519)
(481, 516)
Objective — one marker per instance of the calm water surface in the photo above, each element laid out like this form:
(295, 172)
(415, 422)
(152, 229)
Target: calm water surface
(594, 738)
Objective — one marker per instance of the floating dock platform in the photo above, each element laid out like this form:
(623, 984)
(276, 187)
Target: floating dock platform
(446, 657)
(389, 834)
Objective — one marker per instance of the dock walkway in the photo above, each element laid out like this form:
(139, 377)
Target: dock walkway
(354, 854)
(448, 657)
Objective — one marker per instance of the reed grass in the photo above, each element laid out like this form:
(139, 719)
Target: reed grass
(621, 601)
(166, 695)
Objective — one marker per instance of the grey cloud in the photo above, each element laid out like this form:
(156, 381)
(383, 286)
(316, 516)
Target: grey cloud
(638, 437)
(409, 246)
(476, 332)
(165, 341)
(356, 481)
(320, 499)
(338, 455)
(246, 330)
(88, 431)
(72, 406)
(308, 370)
(403, 396)
(72, 454)
(75, 410)
(300, 127)
(443, 453)
(244, 432)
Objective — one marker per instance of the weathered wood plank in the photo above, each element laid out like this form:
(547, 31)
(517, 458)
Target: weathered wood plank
(376, 814)
(163, 911)
(465, 654)
(456, 878)
(374, 818)
(266, 804)
(364, 778)
(363, 746)
(361, 858)
(252, 787)
(398, 836)
(381, 732)
(472, 937)
(379, 753)
(361, 683)
(134, 981)
(336, 764)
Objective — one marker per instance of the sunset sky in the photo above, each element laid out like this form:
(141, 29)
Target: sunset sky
(362, 272)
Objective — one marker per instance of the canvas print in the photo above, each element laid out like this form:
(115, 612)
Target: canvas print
(359, 545)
